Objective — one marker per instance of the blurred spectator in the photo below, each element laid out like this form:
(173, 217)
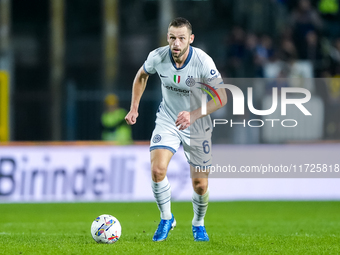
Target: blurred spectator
(265, 50)
(280, 81)
(284, 2)
(334, 57)
(337, 72)
(287, 33)
(249, 58)
(113, 122)
(329, 10)
(312, 51)
(303, 20)
(335, 51)
(236, 51)
(329, 90)
(288, 51)
(264, 53)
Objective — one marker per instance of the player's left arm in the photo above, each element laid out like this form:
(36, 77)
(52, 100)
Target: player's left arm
(185, 119)
(210, 73)
(211, 106)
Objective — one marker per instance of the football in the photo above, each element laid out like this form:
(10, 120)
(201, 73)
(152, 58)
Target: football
(106, 229)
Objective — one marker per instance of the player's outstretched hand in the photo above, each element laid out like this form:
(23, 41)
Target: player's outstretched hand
(131, 117)
(183, 120)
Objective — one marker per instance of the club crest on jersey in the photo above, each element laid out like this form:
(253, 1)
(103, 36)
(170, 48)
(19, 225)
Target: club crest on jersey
(177, 78)
(190, 81)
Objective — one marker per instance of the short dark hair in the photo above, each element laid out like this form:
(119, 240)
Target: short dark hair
(180, 22)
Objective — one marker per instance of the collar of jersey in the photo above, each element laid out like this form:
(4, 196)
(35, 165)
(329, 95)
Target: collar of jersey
(185, 62)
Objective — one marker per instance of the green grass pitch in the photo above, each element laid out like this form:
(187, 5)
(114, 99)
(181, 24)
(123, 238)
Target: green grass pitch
(233, 227)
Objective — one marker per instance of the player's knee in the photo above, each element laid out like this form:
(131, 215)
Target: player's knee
(158, 172)
(200, 186)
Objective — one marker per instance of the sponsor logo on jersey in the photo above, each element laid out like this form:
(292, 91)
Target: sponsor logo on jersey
(157, 138)
(177, 89)
(212, 71)
(163, 76)
(212, 78)
(190, 81)
(177, 78)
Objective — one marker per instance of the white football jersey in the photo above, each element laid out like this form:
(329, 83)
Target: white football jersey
(178, 90)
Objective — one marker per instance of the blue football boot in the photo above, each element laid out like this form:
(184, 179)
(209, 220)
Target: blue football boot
(163, 229)
(200, 234)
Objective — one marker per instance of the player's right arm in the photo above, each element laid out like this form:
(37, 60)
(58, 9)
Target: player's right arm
(138, 88)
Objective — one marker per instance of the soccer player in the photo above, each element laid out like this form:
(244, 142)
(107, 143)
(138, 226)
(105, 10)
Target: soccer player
(179, 120)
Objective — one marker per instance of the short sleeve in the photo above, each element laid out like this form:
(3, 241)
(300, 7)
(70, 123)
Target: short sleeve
(149, 64)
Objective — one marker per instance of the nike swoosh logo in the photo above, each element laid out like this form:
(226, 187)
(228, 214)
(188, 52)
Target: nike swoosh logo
(206, 161)
(162, 76)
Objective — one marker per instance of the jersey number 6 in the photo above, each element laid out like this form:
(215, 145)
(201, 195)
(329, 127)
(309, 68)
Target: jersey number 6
(206, 147)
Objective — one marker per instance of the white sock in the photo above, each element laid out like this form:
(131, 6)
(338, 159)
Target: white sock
(162, 193)
(200, 205)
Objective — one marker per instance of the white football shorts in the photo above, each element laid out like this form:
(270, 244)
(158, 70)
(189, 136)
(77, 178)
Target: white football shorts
(167, 136)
